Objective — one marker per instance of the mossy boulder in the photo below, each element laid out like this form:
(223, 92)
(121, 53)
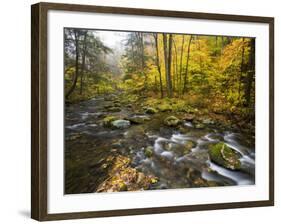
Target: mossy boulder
(165, 107)
(171, 121)
(138, 119)
(148, 151)
(107, 121)
(225, 156)
(199, 126)
(135, 133)
(208, 121)
(151, 110)
(189, 117)
(120, 124)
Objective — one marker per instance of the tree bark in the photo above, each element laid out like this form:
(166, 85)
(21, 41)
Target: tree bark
(181, 56)
(167, 55)
(170, 85)
(175, 63)
(158, 64)
(186, 66)
(166, 62)
(83, 61)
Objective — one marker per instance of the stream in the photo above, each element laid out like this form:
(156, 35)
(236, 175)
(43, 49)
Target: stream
(87, 141)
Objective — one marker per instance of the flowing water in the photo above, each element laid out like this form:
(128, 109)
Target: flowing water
(87, 140)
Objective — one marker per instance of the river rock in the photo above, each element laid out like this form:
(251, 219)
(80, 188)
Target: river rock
(189, 117)
(208, 121)
(165, 107)
(121, 124)
(117, 105)
(188, 146)
(138, 119)
(199, 126)
(117, 144)
(114, 109)
(171, 121)
(150, 110)
(107, 121)
(107, 106)
(225, 156)
(135, 133)
(148, 151)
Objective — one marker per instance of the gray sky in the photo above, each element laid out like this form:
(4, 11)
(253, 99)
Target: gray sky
(111, 38)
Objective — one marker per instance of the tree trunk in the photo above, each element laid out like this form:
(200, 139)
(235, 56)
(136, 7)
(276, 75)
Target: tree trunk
(73, 85)
(167, 55)
(186, 66)
(170, 85)
(83, 61)
(141, 47)
(175, 63)
(158, 64)
(166, 62)
(180, 78)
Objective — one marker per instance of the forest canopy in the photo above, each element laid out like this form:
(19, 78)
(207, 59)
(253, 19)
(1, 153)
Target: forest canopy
(215, 73)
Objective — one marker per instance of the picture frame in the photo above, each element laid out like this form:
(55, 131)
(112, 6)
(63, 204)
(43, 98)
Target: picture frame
(41, 160)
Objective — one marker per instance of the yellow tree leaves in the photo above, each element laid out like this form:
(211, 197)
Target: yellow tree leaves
(231, 55)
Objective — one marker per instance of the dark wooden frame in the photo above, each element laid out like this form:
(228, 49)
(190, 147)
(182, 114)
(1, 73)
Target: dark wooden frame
(39, 110)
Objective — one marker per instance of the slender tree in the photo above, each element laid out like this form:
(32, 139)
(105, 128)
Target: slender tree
(170, 86)
(186, 66)
(157, 61)
(175, 63)
(167, 46)
(84, 51)
(181, 58)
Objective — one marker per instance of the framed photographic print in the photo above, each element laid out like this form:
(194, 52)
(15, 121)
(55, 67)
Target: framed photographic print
(138, 111)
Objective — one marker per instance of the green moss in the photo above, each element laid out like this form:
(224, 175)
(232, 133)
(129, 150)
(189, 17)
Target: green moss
(114, 109)
(165, 107)
(107, 120)
(150, 110)
(171, 121)
(148, 151)
(225, 156)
